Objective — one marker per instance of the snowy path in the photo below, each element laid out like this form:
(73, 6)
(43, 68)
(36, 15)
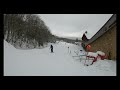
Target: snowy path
(40, 62)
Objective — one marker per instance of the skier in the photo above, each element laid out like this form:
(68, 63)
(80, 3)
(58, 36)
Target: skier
(51, 48)
(68, 49)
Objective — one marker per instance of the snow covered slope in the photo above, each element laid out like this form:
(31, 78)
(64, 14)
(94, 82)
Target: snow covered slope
(40, 62)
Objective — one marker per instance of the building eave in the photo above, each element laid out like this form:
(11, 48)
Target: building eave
(106, 27)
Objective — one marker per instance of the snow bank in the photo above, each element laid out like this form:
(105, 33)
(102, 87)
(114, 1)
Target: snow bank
(8, 45)
(106, 65)
(92, 54)
(100, 53)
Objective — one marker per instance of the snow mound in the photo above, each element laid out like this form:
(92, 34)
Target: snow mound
(100, 53)
(7, 45)
(92, 54)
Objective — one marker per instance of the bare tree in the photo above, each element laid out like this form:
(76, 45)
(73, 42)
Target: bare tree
(29, 28)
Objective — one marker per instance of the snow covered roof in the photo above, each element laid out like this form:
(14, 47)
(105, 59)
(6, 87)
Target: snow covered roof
(88, 35)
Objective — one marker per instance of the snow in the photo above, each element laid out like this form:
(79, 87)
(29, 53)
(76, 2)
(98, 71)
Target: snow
(88, 35)
(92, 54)
(100, 53)
(40, 62)
(25, 45)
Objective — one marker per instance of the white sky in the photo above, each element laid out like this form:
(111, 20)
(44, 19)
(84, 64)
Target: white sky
(74, 25)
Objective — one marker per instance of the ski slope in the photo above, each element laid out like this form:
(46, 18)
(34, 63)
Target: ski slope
(40, 62)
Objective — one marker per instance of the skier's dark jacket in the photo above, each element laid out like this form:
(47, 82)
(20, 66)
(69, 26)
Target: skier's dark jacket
(51, 47)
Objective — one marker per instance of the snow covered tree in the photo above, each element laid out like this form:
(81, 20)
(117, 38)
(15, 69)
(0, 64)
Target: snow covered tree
(25, 28)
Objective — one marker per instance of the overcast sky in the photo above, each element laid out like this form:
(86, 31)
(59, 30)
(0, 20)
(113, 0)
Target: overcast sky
(74, 25)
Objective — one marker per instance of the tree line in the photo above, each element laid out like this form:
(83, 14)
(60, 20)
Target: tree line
(26, 28)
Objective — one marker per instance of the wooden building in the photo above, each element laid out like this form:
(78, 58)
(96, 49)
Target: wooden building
(105, 39)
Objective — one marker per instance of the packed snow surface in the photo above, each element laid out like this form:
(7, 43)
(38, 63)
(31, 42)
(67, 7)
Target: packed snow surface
(41, 62)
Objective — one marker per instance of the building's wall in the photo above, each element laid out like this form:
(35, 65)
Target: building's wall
(106, 43)
(103, 29)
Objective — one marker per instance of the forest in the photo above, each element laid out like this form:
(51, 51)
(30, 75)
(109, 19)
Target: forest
(26, 30)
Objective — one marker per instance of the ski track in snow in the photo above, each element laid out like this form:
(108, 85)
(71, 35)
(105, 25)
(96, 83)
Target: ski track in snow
(40, 62)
